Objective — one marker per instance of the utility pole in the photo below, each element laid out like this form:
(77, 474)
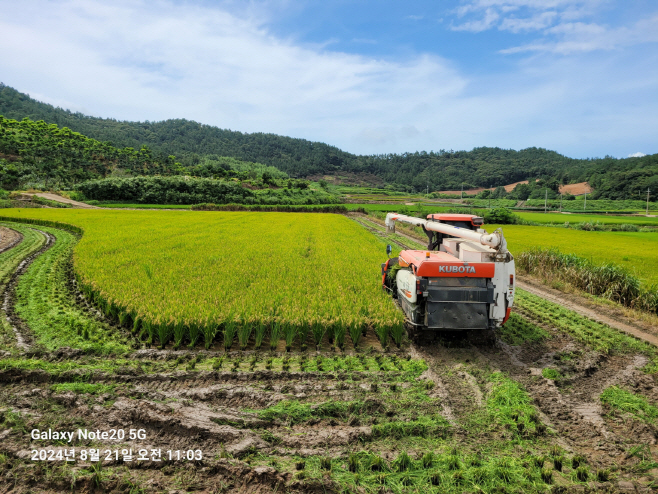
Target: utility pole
(490, 196)
(545, 200)
(585, 205)
(647, 202)
(462, 196)
(560, 203)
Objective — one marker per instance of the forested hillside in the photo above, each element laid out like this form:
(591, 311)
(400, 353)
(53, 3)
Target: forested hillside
(196, 145)
(48, 154)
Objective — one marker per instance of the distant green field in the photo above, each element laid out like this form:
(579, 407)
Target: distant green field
(608, 219)
(638, 252)
(578, 204)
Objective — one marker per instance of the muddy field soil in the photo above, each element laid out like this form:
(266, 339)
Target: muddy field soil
(8, 238)
(539, 409)
(216, 417)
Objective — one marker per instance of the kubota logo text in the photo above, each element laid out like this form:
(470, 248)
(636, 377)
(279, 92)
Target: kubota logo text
(456, 269)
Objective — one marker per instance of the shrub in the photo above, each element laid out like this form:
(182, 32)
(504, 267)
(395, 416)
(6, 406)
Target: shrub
(206, 192)
(500, 216)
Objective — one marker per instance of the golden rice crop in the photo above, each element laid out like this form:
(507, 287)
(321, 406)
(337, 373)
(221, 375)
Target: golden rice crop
(200, 273)
(633, 251)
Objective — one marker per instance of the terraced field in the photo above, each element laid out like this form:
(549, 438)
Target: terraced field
(558, 404)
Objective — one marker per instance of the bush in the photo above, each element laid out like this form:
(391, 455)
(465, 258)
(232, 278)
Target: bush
(278, 209)
(188, 190)
(625, 227)
(500, 216)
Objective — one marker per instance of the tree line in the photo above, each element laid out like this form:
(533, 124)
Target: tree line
(194, 144)
(189, 190)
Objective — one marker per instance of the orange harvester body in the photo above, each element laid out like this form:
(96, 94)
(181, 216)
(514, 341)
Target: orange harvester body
(463, 281)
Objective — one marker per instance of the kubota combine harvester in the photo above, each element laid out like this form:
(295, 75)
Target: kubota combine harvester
(464, 281)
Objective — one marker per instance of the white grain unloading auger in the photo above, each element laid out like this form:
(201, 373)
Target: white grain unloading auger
(464, 281)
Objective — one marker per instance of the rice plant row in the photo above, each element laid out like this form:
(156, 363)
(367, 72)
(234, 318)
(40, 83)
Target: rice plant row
(394, 367)
(238, 278)
(596, 335)
(45, 303)
(447, 472)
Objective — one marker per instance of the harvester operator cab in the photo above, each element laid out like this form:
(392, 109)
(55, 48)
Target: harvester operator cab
(466, 221)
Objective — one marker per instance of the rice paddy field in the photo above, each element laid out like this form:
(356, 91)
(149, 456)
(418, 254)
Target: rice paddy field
(606, 219)
(636, 251)
(255, 352)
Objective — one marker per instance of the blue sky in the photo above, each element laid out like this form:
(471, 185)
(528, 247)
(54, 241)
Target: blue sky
(576, 76)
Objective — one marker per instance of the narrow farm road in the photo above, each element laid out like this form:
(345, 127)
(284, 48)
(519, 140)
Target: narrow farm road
(597, 314)
(58, 198)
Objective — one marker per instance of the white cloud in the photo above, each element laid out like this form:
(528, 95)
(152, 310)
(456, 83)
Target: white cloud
(560, 24)
(534, 23)
(487, 22)
(574, 37)
(523, 15)
(159, 61)
(139, 60)
(636, 155)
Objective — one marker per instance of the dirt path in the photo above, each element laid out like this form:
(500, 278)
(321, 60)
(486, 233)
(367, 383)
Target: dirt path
(58, 198)
(578, 305)
(9, 238)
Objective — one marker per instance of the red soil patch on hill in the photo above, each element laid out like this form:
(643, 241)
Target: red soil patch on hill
(576, 189)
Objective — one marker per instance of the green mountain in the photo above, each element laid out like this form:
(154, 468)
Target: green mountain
(194, 144)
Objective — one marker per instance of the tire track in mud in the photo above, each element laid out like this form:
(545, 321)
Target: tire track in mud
(377, 221)
(210, 414)
(9, 238)
(572, 408)
(21, 331)
(440, 388)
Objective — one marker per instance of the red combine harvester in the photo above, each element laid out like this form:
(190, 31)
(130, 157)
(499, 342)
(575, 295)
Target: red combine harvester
(463, 282)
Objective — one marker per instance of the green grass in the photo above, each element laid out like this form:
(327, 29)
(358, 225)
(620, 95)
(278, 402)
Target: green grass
(549, 373)
(83, 388)
(294, 412)
(518, 330)
(494, 203)
(45, 303)
(432, 427)
(607, 280)
(638, 406)
(510, 406)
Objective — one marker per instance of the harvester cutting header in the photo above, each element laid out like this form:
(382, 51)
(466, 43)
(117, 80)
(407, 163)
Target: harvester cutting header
(464, 281)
